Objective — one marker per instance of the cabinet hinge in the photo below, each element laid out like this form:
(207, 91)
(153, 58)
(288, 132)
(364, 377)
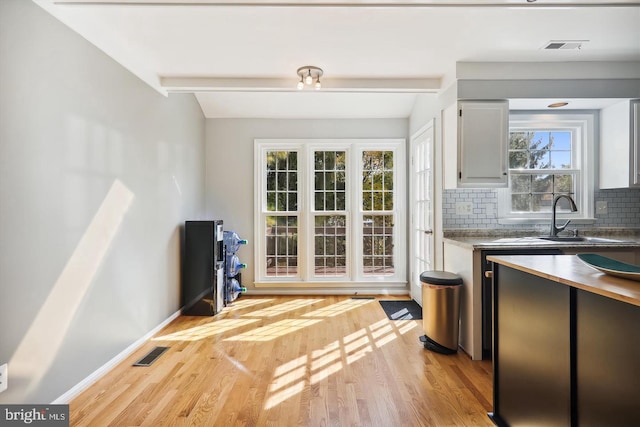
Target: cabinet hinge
(460, 112)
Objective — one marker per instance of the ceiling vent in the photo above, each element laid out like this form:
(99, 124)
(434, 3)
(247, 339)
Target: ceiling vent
(564, 44)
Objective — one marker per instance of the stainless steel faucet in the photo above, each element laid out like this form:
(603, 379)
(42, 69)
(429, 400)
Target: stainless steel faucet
(572, 205)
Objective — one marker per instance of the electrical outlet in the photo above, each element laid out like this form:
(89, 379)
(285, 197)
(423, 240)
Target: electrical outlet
(464, 208)
(601, 207)
(4, 377)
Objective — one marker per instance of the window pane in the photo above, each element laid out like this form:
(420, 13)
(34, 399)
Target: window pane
(282, 181)
(560, 159)
(341, 157)
(518, 159)
(340, 181)
(539, 159)
(542, 184)
(388, 160)
(328, 180)
(319, 181)
(330, 257)
(520, 202)
(271, 181)
(293, 202)
(319, 160)
(330, 202)
(293, 181)
(282, 162)
(377, 171)
(388, 200)
(519, 140)
(281, 246)
(293, 161)
(563, 184)
(521, 183)
(271, 201)
(388, 180)
(377, 200)
(341, 201)
(561, 140)
(367, 201)
(282, 202)
(329, 160)
(319, 201)
(541, 202)
(377, 244)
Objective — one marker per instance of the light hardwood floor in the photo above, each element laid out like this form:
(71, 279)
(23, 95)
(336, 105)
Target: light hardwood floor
(291, 361)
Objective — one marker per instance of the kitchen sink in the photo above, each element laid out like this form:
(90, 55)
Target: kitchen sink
(563, 238)
(581, 239)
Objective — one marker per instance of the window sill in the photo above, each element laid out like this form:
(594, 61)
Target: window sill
(308, 285)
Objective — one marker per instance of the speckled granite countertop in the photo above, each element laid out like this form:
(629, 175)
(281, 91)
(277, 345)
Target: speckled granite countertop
(505, 239)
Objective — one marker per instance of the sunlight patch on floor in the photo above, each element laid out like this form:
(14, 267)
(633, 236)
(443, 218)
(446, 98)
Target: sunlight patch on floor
(321, 363)
(274, 330)
(283, 308)
(338, 308)
(205, 331)
(240, 304)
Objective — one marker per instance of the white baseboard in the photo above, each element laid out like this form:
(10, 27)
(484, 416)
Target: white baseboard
(98, 373)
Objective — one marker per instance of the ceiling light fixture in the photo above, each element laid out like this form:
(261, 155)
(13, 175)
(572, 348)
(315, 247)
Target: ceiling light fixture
(308, 74)
(557, 104)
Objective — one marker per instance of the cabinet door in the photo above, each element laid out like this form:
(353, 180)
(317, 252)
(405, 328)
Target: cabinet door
(483, 130)
(620, 145)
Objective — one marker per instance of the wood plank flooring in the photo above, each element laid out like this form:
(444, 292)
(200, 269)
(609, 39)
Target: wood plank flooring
(291, 361)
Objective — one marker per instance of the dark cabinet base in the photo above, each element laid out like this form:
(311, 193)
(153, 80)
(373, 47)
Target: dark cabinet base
(562, 356)
(532, 351)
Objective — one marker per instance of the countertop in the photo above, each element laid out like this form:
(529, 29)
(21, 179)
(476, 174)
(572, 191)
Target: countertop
(570, 271)
(504, 239)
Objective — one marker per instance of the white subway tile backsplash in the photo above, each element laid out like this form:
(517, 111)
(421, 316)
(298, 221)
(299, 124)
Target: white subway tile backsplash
(623, 209)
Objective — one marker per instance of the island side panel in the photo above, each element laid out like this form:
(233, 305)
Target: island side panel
(608, 361)
(531, 351)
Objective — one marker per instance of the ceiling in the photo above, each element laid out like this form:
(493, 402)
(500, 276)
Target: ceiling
(240, 58)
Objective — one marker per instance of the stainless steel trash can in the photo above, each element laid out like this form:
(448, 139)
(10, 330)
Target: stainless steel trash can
(440, 310)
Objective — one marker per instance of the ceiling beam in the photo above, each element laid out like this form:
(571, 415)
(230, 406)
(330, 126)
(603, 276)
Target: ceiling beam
(352, 4)
(210, 84)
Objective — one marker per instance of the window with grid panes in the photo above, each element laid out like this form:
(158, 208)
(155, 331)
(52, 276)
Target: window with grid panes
(330, 228)
(377, 203)
(282, 203)
(549, 154)
(329, 212)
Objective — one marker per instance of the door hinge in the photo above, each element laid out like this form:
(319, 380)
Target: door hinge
(460, 175)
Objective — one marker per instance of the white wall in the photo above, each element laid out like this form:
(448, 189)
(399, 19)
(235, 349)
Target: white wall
(229, 164)
(97, 174)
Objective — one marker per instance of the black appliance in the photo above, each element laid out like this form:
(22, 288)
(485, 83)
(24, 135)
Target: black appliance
(203, 281)
(487, 290)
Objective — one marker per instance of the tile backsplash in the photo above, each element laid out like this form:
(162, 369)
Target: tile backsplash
(478, 209)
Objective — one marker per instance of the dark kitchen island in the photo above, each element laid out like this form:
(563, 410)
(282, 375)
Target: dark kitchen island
(566, 344)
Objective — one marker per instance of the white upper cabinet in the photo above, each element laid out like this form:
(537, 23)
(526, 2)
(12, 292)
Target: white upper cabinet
(483, 133)
(620, 145)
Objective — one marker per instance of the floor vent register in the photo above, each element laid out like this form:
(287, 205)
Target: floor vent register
(151, 357)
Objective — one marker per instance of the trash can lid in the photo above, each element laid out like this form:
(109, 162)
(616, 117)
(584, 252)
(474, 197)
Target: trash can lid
(445, 278)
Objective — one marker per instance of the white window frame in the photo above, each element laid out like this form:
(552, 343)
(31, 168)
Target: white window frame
(582, 125)
(354, 212)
